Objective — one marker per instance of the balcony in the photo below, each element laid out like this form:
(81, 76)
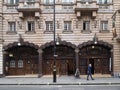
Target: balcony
(86, 6)
(29, 8)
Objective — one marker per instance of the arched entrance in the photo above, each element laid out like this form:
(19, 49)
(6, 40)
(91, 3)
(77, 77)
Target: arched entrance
(21, 60)
(99, 55)
(65, 61)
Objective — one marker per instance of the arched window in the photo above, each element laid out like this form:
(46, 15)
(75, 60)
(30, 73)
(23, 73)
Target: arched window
(20, 64)
(12, 64)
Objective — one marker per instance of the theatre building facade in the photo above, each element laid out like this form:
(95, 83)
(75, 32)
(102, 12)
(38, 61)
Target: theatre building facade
(86, 31)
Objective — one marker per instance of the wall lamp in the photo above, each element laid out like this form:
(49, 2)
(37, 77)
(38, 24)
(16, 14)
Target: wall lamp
(58, 39)
(95, 39)
(20, 40)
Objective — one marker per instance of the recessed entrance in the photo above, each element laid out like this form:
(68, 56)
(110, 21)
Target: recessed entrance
(65, 62)
(21, 60)
(99, 56)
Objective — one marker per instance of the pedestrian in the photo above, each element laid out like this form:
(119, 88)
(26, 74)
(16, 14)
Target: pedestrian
(89, 72)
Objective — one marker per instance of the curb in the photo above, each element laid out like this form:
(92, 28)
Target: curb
(63, 84)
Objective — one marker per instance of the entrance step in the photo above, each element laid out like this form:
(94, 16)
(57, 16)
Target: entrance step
(22, 76)
(98, 76)
(50, 76)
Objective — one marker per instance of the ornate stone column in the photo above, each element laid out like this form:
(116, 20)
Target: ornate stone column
(40, 62)
(77, 73)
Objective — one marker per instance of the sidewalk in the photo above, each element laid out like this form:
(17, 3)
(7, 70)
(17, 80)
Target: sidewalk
(62, 80)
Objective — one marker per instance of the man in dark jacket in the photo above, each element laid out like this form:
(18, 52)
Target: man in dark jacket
(89, 73)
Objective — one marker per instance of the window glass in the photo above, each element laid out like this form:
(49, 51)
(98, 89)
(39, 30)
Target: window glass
(48, 1)
(104, 1)
(31, 26)
(104, 25)
(12, 64)
(86, 25)
(67, 25)
(20, 64)
(49, 26)
(12, 26)
(67, 0)
(12, 1)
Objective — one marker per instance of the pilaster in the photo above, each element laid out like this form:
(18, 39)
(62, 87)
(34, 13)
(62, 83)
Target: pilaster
(77, 73)
(40, 62)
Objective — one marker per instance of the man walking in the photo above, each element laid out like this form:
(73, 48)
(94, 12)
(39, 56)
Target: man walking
(89, 73)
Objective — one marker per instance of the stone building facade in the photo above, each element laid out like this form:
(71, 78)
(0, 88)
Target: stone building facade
(84, 29)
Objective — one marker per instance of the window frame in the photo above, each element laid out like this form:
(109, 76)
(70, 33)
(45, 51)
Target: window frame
(32, 26)
(49, 1)
(49, 25)
(12, 2)
(68, 1)
(104, 2)
(12, 64)
(12, 26)
(67, 25)
(20, 64)
(104, 25)
(86, 25)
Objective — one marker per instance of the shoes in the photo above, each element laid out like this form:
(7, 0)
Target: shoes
(88, 79)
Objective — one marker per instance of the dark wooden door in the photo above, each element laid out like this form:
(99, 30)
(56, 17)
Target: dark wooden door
(48, 67)
(97, 66)
(83, 65)
(105, 66)
(63, 69)
(31, 66)
(70, 67)
(16, 67)
(28, 67)
(20, 67)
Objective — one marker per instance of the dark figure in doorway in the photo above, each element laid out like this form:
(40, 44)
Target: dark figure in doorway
(89, 73)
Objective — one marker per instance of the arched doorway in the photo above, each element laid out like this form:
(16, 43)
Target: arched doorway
(65, 61)
(21, 60)
(99, 55)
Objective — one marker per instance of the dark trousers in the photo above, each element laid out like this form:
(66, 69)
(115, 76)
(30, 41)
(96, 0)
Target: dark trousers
(89, 74)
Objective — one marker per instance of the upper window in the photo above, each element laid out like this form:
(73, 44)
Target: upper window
(49, 26)
(104, 1)
(30, 0)
(86, 25)
(67, 25)
(86, 0)
(31, 26)
(67, 7)
(104, 25)
(12, 1)
(48, 1)
(67, 1)
(12, 26)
